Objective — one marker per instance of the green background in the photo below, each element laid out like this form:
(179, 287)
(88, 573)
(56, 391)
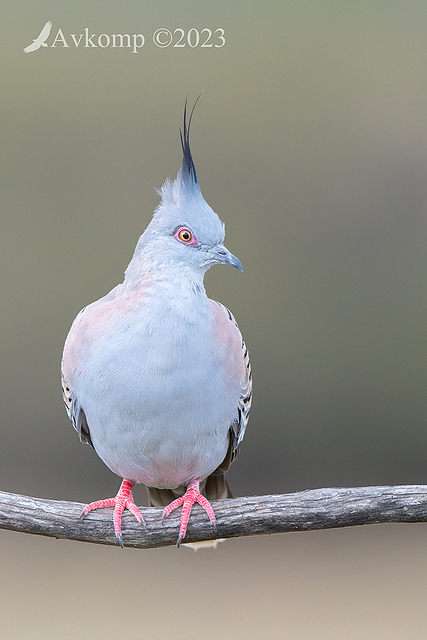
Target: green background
(310, 143)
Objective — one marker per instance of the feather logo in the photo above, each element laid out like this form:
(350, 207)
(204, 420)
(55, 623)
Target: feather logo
(40, 41)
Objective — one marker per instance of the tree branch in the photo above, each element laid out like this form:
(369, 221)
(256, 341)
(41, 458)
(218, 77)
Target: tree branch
(255, 515)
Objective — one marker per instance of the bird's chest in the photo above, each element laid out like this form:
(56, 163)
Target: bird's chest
(157, 384)
(151, 353)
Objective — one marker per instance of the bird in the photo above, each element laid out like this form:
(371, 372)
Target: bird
(156, 376)
(40, 41)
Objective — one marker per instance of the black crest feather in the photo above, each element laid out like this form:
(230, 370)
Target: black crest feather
(188, 168)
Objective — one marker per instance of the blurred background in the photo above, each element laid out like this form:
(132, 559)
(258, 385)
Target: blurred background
(310, 142)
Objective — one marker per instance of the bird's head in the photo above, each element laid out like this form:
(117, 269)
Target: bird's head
(184, 233)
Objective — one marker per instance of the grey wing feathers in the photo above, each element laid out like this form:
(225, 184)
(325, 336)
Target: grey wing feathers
(216, 486)
(245, 403)
(75, 412)
(238, 428)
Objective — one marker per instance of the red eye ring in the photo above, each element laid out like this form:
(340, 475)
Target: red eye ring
(185, 235)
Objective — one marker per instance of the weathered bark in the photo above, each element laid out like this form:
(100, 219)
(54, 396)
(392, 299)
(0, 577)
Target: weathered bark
(255, 515)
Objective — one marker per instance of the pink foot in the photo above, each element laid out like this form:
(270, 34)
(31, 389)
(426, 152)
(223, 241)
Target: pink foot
(122, 501)
(190, 497)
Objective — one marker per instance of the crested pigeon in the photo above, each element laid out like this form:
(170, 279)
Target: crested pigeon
(156, 376)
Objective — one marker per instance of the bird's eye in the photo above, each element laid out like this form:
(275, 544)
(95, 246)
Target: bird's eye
(185, 235)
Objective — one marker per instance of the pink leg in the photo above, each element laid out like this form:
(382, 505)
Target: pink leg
(191, 496)
(122, 501)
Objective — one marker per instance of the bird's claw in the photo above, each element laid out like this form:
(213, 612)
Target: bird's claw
(190, 497)
(123, 500)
